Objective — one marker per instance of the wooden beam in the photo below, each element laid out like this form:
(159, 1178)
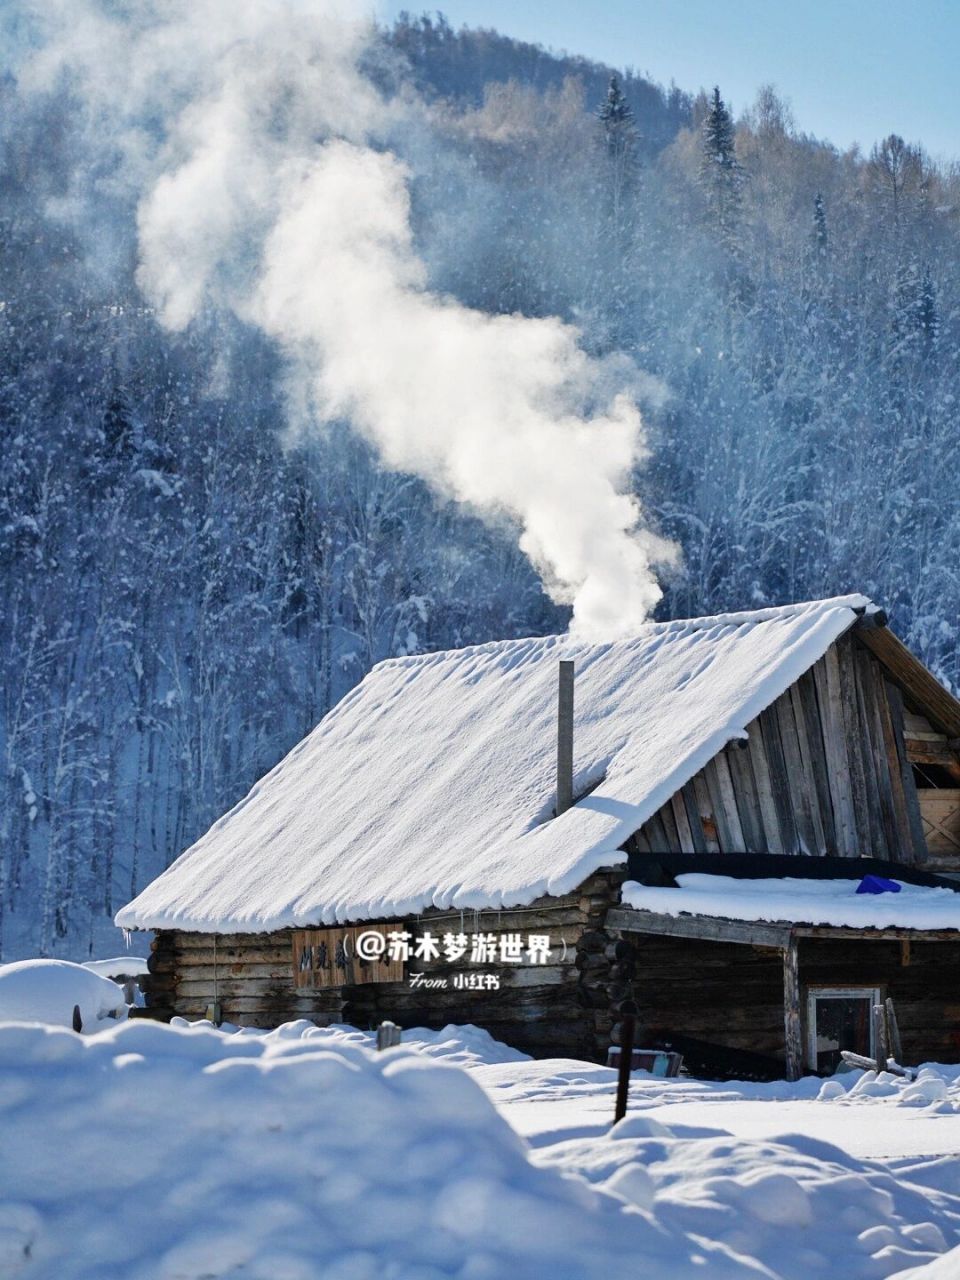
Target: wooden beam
(921, 686)
(693, 818)
(778, 780)
(684, 832)
(801, 796)
(748, 803)
(908, 786)
(792, 1036)
(826, 675)
(709, 928)
(876, 935)
(807, 710)
(773, 842)
(853, 743)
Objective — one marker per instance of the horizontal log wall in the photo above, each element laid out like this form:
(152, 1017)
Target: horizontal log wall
(723, 992)
(824, 771)
(249, 974)
(546, 1010)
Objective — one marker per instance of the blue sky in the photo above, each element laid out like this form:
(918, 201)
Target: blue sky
(852, 71)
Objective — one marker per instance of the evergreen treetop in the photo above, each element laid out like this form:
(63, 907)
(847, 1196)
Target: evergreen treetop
(721, 174)
(820, 237)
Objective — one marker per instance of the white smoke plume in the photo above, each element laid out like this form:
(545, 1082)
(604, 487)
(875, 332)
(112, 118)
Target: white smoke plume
(255, 149)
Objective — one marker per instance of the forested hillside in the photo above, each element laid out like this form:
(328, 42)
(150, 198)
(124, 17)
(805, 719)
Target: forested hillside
(187, 586)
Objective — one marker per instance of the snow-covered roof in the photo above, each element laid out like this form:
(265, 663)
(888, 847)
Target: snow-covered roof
(432, 784)
(788, 900)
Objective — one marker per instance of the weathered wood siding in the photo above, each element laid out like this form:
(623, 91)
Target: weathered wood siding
(544, 1009)
(825, 771)
(732, 995)
(723, 992)
(249, 974)
(940, 813)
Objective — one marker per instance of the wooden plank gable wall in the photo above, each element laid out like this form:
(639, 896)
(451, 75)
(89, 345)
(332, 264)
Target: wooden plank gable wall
(825, 770)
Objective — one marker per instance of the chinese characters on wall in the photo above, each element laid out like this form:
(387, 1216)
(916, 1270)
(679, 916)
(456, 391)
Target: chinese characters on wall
(348, 955)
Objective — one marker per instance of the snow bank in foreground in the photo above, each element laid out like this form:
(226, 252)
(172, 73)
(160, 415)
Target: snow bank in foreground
(945, 1268)
(797, 901)
(175, 1154)
(800, 1208)
(47, 991)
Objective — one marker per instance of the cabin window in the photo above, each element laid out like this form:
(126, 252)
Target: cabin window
(839, 1018)
(932, 776)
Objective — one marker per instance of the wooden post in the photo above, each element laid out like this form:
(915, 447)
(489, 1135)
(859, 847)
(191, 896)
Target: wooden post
(627, 1028)
(565, 737)
(792, 1039)
(388, 1035)
(880, 1046)
(77, 1019)
(893, 1033)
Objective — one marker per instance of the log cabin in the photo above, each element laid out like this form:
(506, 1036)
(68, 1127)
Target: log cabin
(457, 841)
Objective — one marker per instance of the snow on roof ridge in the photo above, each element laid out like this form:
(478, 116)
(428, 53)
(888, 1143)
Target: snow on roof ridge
(769, 613)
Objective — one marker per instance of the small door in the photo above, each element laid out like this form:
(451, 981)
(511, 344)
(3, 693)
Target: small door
(839, 1018)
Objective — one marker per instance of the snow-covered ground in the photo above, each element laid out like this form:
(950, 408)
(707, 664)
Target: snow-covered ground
(181, 1152)
(549, 1102)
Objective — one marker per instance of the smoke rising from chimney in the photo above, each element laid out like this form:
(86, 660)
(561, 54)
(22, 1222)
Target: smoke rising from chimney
(255, 149)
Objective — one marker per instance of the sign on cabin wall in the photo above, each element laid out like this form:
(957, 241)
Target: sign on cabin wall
(328, 957)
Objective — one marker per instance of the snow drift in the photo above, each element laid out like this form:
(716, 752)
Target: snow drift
(48, 990)
(159, 1152)
(178, 1153)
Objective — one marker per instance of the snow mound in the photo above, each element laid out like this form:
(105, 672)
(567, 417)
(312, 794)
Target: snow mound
(459, 1045)
(118, 966)
(946, 1267)
(936, 1087)
(161, 1153)
(47, 991)
(794, 1206)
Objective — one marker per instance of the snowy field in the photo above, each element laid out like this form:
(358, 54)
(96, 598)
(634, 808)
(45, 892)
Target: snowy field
(183, 1152)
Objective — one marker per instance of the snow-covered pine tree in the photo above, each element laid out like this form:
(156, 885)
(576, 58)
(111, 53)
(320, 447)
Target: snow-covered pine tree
(821, 239)
(927, 315)
(620, 137)
(720, 173)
